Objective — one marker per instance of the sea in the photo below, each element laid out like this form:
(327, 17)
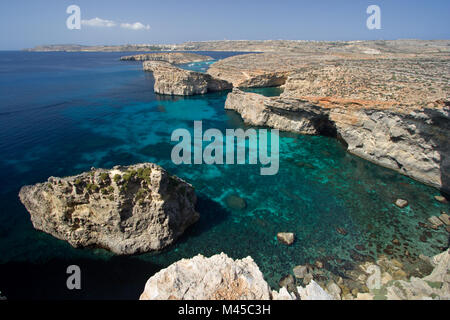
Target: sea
(62, 113)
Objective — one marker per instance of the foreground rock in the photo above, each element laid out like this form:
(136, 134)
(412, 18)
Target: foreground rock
(221, 277)
(126, 210)
(171, 57)
(216, 278)
(171, 80)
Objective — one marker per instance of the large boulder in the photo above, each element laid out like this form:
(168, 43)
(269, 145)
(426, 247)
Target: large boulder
(216, 278)
(126, 210)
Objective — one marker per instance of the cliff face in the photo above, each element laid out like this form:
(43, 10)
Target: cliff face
(171, 57)
(413, 142)
(172, 80)
(126, 210)
(288, 114)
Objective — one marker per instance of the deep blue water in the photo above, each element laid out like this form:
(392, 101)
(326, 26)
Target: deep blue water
(62, 113)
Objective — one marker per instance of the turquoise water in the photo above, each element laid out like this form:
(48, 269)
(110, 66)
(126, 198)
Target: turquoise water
(198, 66)
(63, 113)
(268, 92)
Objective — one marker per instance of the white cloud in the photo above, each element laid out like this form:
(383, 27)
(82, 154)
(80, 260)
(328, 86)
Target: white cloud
(97, 22)
(135, 26)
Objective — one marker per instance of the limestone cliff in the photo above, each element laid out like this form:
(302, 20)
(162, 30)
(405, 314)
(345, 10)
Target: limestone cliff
(412, 142)
(171, 80)
(126, 210)
(171, 57)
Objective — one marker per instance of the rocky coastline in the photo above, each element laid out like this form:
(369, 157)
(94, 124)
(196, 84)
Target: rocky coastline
(413, 143)
(380, 105)
(126, 210)
(222, 278)
(170, 57)
(388, 107)
(171, 80)
(381, 108)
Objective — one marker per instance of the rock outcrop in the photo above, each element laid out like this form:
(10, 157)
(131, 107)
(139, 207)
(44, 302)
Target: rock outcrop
(126, 210)
(412, 142)
(216, 278)
(171, 57)
(288, 114)
(253, 71)
(171, 80)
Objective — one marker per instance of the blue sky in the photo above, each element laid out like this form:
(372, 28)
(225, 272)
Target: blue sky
(28, 23)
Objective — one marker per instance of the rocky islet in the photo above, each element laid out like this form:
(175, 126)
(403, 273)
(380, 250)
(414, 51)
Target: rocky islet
(127, 210)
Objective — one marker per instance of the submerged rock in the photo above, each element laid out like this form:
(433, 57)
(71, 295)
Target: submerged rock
(401, 203)
(235, 202)
(286, 237)
(445, 219)
(216, 278)
(341, 231)
(126, 210)
(441, 199)
(435, 221)
(300, 271)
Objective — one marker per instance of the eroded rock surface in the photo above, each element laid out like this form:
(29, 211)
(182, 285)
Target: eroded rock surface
(254, 70)
(216, 278)
(126, 210)
(171, 80)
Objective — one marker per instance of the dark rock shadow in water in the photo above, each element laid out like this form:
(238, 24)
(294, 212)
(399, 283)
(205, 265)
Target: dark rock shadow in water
(211, 214)
(120, 277)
